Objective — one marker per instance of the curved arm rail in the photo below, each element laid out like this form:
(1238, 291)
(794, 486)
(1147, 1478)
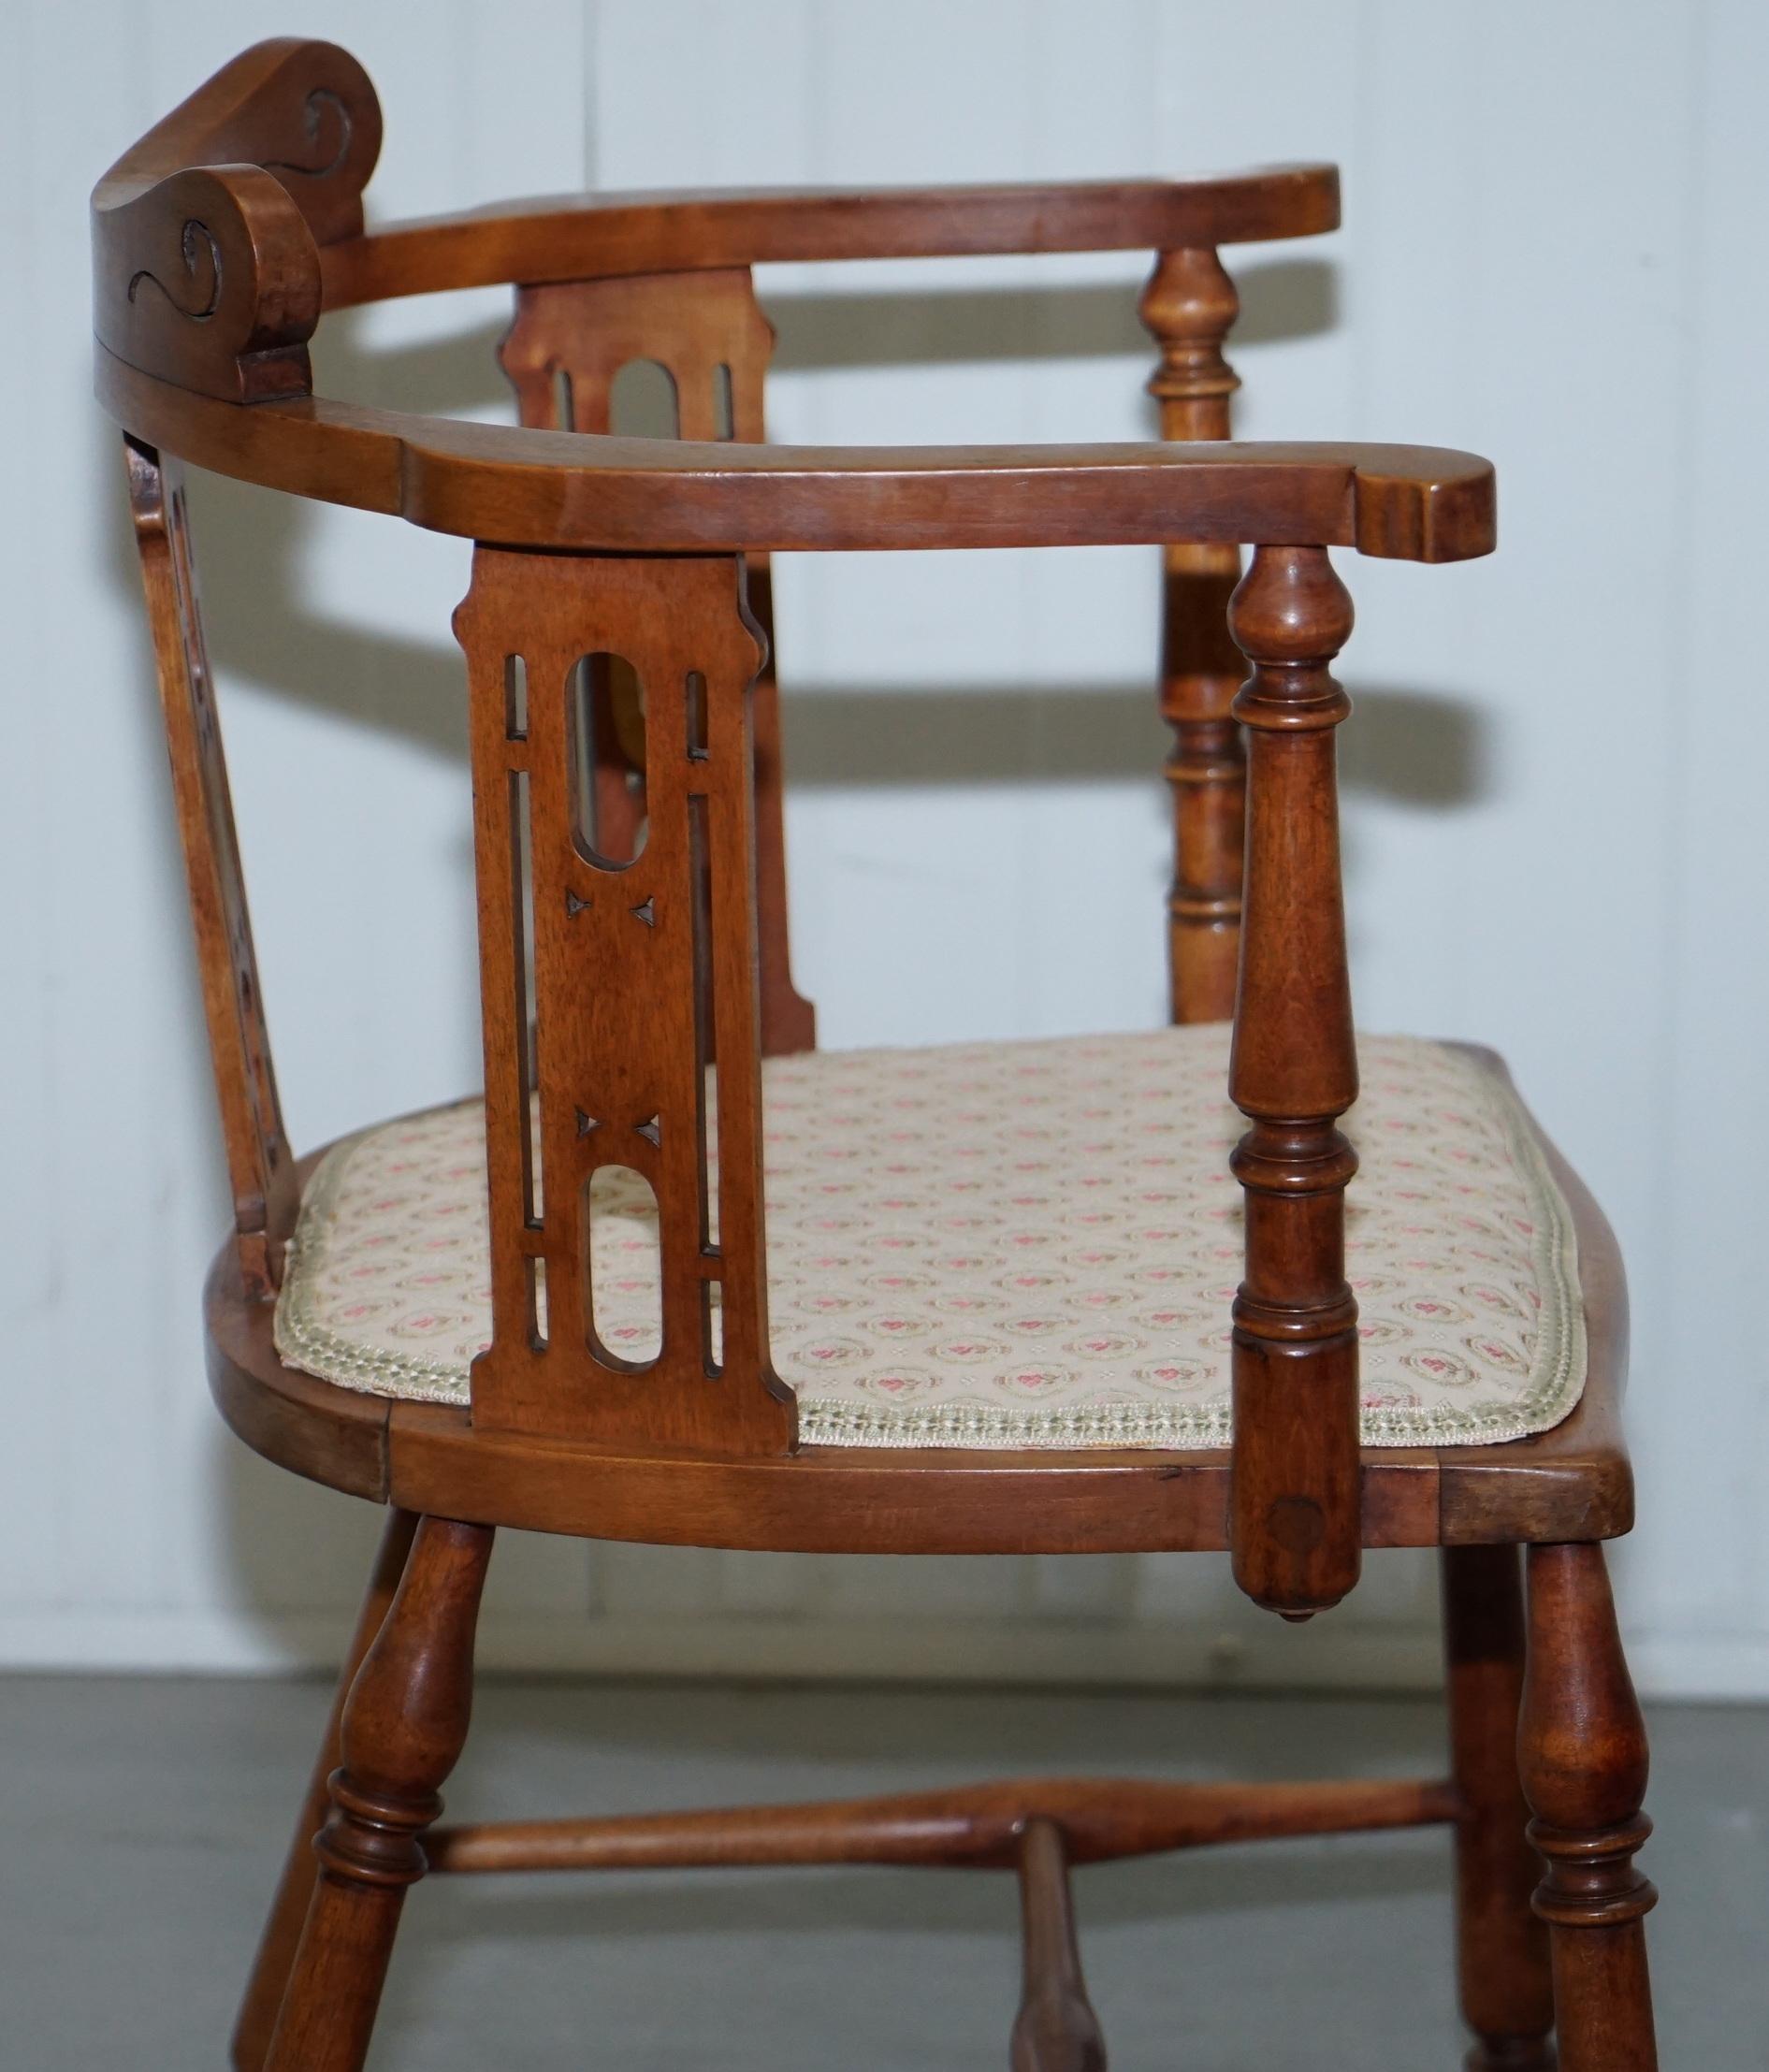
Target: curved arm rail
(591, 236)
(568, 490)
(216, 217)
(209, 280)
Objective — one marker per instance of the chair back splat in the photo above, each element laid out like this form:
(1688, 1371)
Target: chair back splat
(266, 1195)
(625, 724)
(563, 354)
(607, 988)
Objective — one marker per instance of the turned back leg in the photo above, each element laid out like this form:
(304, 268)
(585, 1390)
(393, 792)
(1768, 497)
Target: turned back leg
(1582, 1746)
(404, 1726)
(1189, 306)
(1507, 1995)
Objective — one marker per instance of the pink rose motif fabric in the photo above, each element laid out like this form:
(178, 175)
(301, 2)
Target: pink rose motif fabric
(1009, 1244)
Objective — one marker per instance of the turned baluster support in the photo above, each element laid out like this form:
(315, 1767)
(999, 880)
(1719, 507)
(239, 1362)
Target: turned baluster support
(1293, 1072)
(1582, 1749)
(1188, 309)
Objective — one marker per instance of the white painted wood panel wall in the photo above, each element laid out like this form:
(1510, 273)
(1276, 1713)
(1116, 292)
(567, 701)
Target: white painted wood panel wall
(1554, 254)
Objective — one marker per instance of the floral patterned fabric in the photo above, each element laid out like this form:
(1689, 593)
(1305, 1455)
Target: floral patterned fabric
(1008, 1244)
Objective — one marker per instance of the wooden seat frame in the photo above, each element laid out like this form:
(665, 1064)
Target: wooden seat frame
(219, 241)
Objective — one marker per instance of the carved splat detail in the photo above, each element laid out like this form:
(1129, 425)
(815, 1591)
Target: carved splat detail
(625, 1017)
(563, 354)
(259, 1164)
(692, 324)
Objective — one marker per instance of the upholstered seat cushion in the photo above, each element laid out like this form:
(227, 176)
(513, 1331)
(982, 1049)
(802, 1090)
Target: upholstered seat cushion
(1010, 1244)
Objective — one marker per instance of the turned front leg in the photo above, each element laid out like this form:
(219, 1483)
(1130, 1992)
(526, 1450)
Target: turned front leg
(1294, 1508)
(404, 1727)
(300, 1870)
(1582, 1748)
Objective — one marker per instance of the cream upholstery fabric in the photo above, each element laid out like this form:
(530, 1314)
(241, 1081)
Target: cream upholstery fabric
(1010, 1244)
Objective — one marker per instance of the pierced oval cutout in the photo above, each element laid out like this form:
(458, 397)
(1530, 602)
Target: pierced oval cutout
(697, 748)
(642, 402)
(516, 698)
(537, 1304)
(625, 1268)
(724, 411)
(608, 751)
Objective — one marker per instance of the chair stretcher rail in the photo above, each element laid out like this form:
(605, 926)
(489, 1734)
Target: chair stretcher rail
(977, 1826)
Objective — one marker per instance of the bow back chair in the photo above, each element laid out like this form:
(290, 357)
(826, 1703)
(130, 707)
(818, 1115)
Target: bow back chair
(680, 1278)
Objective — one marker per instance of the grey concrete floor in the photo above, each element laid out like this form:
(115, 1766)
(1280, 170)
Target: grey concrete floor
(140, 1823)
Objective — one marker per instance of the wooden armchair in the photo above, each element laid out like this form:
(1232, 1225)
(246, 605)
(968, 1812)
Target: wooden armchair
(982, 1301)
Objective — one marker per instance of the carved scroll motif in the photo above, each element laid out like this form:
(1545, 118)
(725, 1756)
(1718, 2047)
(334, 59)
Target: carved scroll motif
(206, 235)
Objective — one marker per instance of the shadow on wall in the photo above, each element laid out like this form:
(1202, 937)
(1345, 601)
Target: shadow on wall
(1284, 299)
(1405, 746)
